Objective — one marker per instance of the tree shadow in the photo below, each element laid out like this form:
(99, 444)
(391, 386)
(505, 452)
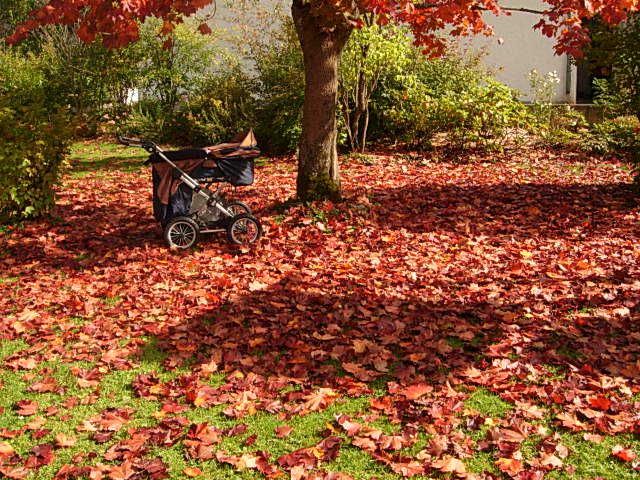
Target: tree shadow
(515, 210)
(351, 334)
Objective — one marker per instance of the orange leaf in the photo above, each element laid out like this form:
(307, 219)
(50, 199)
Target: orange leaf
(192, 471)
(624, 454)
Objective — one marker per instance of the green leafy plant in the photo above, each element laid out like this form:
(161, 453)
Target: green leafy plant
(218, 110)
(554, 125)
(617, 135)
(455, 96)
(93, 81)
(617, 47)
(371, 53)
(33, 139)
(170, 75)
(280, 87)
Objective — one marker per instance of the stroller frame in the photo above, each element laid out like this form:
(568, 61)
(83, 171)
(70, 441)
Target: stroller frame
(236, 216)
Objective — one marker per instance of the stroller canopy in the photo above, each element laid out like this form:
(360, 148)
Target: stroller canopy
(243, 145)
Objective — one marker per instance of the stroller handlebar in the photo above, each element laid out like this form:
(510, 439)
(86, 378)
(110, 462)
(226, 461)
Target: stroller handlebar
(130, 142)
(137, 142)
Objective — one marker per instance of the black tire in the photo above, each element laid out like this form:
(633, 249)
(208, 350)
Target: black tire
(181, 233)
(238, 208)
(244, 230)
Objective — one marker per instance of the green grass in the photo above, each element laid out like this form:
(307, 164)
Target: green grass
(92, 157)
(589, 460)
(487, 404)
(593, 460)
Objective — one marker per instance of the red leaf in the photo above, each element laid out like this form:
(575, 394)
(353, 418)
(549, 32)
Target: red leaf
(42, 455)
(415, 391)
(624, 454)
(509, 466)
(600, 403)
(26, 407)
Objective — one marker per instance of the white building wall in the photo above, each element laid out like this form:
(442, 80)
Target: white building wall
(511, 53)
(516, 49)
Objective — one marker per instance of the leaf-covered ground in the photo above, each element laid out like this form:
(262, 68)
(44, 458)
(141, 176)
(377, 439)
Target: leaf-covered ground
(476, 318)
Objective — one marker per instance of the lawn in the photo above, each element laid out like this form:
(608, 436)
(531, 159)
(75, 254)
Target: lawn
(462, 317)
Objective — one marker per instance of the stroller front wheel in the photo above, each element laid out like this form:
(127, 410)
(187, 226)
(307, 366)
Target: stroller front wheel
(181, 233)
(244, 229)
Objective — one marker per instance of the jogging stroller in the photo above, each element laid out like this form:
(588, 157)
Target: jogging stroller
(184, 200)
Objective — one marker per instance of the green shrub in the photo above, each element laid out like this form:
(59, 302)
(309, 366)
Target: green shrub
(219, 109)
(617, 48)
(280, 77)
(372, 52)
(91, 79)
(33, 139)
(554, 125)
(458, 98)
(617, 135)
(149, 119)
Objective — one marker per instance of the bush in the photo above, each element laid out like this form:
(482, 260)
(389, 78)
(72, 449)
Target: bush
(219, 109)
(554, 125)
(149, 119)
(33, 139)
(372, 52)
(617, 48)
(91, 79)
(617, 135)
(280, 84)
(457, 97)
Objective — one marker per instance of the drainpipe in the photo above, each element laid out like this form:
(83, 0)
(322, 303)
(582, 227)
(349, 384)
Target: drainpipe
(568, 78)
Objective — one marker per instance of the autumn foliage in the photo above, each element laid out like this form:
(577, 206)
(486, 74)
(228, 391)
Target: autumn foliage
(435, 281)
(116, 23)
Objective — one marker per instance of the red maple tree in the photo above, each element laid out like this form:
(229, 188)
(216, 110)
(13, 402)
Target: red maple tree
(323, 28)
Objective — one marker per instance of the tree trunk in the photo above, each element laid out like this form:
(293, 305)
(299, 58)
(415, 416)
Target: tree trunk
(318, 173)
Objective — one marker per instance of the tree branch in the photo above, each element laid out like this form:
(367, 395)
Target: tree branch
(506, 9)
(522, 9)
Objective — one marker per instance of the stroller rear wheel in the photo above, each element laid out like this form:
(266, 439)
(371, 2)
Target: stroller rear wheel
(238, 208)
(181, 233)
(244, 229)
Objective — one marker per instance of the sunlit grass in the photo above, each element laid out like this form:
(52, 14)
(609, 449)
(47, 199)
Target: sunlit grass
(590, 460)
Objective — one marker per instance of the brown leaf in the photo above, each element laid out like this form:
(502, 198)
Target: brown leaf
(63, 440)
(283, 431)
(26, 407)
(449, 464)
(510, 466)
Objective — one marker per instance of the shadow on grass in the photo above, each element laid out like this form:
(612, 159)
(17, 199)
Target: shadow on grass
(104, 157)
(83, 167)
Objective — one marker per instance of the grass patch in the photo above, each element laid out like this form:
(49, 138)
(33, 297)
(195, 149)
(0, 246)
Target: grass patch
(481, 462)
(86, 158)
(9, 347)
(487, 404)
(592, 460)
